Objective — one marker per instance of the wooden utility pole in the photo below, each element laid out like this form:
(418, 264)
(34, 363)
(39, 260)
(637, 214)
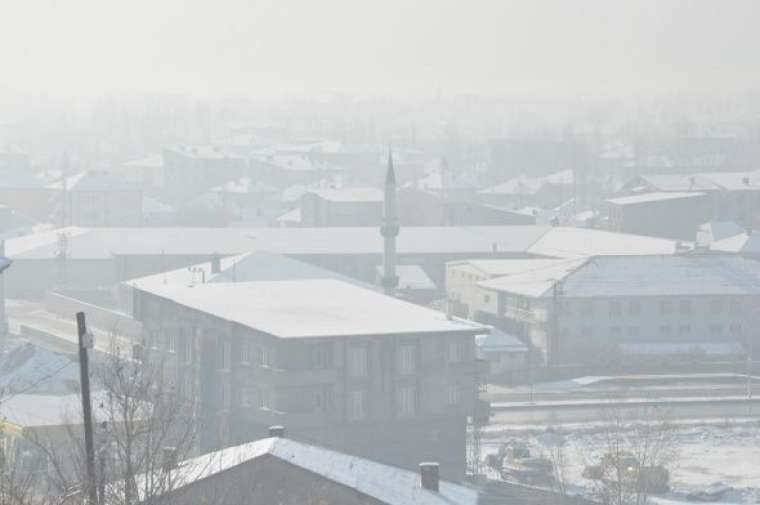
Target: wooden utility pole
(86, 342)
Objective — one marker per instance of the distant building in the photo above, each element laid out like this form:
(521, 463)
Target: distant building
(732, 196)
(191, 170)
(598, 308)
(503, 352)
(338, 364)
(342, 207)
(287, 472)
(521, 191)
(674, 215)
(98, 199)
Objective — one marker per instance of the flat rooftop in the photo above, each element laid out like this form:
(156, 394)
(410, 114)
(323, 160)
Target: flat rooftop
(311, 308)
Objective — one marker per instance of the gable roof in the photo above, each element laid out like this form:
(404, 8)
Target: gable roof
(386, 484)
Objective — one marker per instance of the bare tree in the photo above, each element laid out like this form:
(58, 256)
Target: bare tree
(633, 459)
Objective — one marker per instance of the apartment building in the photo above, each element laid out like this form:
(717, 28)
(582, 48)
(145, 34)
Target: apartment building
(339, 365)
(590, 309)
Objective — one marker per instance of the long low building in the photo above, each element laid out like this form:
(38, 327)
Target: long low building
(588, 309)
(100, 258)
(336, 363)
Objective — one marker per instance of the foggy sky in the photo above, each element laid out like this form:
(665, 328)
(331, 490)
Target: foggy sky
(389, 47)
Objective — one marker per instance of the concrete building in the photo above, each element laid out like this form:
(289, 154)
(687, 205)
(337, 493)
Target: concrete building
(287, 472)
(521, 191)
(342, 365)
(675, 215)
(97, 199)
(190, 170)
(341, 207)
(598, 308)
(732, 196)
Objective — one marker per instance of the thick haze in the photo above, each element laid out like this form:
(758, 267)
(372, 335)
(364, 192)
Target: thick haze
(391, 47)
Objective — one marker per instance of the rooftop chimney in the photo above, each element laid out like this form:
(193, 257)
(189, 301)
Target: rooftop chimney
(277, 431)
(429, 476)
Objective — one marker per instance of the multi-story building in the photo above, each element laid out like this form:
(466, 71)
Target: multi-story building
(343, 366)
(582, 309)
(675, 215)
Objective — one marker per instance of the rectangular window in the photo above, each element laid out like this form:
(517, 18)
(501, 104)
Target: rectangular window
(666, 306)
(225, 395)
(615, 308)
(356, 405)
(407, 359)
(684, 306)
(246, 397)
(171, 343)
(615, 331)
(665, 330)
(633, 331)
(407, 401)
(716, 330)
(357, 361)
(263, 357)
(246, 353)
(322, 356)
(634, 307)
(454, 352)
(186, 346)
(226, 356)
(735, 328)
(453, 396)
(265, 399)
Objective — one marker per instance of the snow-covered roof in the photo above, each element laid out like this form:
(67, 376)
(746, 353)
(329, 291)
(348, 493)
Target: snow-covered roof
(719, 230)
(246, 185)
(664, 348)
(295, 162)
(499, 341)
(349, 195)
(253, 266)
(704, 181)
(154, 161)
(657, 275)
(524, 185)
(293, 216)
(93, 180)
(35, 410)
(208, 152)
(311, 308)
(386, 484)
(652, 197)
(411, 277)
(474, 241)
(743, 243)
(35, 369)
(500, 267)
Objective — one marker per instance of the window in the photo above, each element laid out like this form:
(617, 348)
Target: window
(615, 331)
(666, 307)
(633, 331)
(665, 330)
(226, 357)
(486, 298)
(171, 343)
(265, 399)
(453, 397)
(407, 401)
(356, 405)
(735, 328)
(634, 307)
(246, 353)
(716, 306)
(322, 356)
(246, 397)
(325, 398)
(225, 395)
(186, 346)
(357, 361)
(407, 359)
(684, 329)
(615, 308)
(736, 305)
(684, 306)
(716, 329)
(454, 352)
(263, 357)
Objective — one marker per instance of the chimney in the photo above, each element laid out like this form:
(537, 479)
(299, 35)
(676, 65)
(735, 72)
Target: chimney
(277, 431)
(216, 264)
(168, 458)
(429, 476)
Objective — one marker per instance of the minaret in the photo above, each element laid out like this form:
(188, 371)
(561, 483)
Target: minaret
(389, 230)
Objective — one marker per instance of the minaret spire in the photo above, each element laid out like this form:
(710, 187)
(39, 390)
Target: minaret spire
(389, 229)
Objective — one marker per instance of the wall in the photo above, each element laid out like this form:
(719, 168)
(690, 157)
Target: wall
(99, 317)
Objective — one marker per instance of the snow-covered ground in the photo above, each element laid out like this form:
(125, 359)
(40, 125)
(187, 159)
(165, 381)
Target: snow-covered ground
(706, 453)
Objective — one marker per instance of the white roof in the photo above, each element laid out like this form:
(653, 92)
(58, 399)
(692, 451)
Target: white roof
(524, 185)
(500, 267)
(658, 275)
(411, 277)
(311, 308)
(387, 484)
(33, 410)
(742, 243)
(346, 195)
(152, 161)
(652, 197)
(565, 242)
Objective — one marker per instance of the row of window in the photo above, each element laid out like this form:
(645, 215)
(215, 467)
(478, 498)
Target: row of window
(664, 307)
(665, 330)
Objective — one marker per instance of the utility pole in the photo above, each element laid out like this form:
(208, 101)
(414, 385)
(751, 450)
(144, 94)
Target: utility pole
(86, 342)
